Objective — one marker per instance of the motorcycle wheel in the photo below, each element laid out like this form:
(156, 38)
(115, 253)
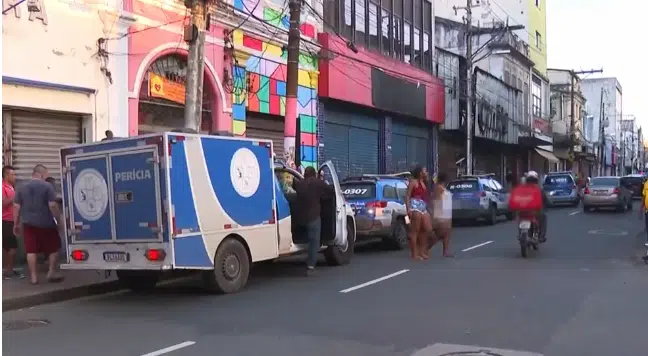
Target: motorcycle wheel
(524, 249)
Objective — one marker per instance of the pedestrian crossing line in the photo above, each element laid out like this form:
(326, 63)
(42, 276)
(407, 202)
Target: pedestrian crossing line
(574, 213)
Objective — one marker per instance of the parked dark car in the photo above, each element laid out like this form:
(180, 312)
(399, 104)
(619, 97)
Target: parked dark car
(634, 182)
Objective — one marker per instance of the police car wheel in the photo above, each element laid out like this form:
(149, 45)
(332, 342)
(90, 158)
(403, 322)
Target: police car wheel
(398, 240)
(231, 268)
(341, 255)
(138, 281)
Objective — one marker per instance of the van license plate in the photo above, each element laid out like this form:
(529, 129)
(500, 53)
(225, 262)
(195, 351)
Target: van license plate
(116, 257)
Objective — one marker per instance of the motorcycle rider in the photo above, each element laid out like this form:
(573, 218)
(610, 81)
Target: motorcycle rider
(532, 178)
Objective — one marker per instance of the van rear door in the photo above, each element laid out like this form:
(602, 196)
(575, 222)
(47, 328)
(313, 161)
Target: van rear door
(114, 194)
(136, 192)
(90, 199)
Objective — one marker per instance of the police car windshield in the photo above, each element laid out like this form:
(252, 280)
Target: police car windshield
(358, 190)
(463, 186)
(558, 180)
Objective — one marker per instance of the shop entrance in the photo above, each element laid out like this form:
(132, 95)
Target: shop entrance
(162, 97)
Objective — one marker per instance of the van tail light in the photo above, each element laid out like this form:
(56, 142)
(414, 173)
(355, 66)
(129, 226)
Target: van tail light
(376, 204)
(155, 255)
(79, 255)
(586, 191)
(573, 186)
(482, 194)
(616, 191)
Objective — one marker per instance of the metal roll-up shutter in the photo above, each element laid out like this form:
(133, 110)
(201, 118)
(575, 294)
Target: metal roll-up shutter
(363, 151)
(410, 147)
(266, 128)
(37, 139)
(351, 143)
(336, 147)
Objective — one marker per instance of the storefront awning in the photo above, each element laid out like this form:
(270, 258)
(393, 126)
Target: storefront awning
(548, 155)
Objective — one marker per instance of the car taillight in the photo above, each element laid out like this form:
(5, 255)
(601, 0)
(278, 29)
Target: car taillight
(155, 255)
(586, 191)
(616, 191)
(79, 255)
(376, 204)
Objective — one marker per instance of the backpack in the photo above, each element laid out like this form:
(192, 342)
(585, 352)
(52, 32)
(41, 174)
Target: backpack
(525, 197)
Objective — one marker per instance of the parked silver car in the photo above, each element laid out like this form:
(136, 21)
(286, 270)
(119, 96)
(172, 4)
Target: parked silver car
(606, 192)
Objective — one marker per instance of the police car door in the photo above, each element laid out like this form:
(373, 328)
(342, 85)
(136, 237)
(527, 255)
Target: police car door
(328, 173)
(500, 195)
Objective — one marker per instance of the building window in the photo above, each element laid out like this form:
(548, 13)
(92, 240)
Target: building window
(536, 94)
(360, 23)
(538, 40)
(373, 26)
(401, 29)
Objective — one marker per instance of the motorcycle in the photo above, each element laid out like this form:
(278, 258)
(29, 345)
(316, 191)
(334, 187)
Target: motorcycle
(528, 235)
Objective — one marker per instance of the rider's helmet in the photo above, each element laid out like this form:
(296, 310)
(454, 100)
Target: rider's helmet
(532, 177)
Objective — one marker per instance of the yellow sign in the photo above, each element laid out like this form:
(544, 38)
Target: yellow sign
(160, 87)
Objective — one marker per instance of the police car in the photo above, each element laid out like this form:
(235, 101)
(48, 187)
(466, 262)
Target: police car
(378, 202)
(479, 197)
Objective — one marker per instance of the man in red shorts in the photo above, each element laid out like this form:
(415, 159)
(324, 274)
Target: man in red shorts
(35, 208)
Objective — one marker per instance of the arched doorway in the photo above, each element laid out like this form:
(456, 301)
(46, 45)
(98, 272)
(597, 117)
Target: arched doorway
(161, 97)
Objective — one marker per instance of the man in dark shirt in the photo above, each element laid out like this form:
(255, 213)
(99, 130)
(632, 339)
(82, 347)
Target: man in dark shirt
(310, 192)
(35, 208)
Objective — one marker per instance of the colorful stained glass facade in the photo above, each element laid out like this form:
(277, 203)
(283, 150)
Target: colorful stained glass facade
(259, 80)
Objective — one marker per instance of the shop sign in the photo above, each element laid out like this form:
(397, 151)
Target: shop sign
(36, 9)
(160, 87)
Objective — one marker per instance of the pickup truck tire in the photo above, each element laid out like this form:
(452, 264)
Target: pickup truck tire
(398, 239)
(138, 281)
(341, 255)
(231, 268)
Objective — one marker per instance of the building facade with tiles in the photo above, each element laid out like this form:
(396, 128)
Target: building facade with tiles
(245, 73)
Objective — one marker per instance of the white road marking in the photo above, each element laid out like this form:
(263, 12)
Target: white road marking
(574, 213)
(374, 281)
(611, 233)
(477, 246)
(172, 348)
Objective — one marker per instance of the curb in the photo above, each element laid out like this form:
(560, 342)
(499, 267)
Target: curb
(60, 295)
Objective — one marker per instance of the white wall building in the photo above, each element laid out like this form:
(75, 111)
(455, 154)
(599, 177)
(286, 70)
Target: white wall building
(611, 93)
(56, 89)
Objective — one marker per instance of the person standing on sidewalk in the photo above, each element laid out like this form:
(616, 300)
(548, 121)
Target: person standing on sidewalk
(9, 239)
(310, 192)
(35, 207)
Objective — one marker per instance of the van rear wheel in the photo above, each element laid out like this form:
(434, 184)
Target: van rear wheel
(138, 281)
(231, 268)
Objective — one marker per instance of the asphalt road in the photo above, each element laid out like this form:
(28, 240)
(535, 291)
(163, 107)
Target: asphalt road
(582, 293)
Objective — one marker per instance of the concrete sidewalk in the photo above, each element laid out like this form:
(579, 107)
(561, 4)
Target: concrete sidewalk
(19, 293)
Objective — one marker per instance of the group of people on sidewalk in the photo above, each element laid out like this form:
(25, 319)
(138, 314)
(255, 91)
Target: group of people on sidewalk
(30, 211)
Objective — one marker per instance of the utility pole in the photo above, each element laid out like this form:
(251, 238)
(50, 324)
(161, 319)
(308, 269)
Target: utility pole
(572, 94)
(194, 35)
(292, 76)
(469, 80)
(602, 135)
